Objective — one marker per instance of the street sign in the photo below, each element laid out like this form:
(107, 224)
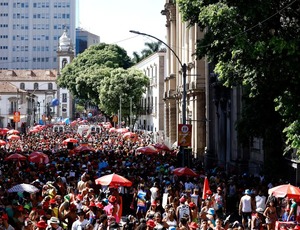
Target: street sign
(17, 116)
(184, 135)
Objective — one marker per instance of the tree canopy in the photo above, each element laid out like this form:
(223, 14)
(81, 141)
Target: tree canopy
(121, 86)
(255, 44)
(96, 74)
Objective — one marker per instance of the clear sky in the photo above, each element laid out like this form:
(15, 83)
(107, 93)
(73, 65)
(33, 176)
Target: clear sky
(112, 20)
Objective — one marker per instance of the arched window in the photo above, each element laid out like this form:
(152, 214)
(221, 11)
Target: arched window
(36, 86)
(50, 86)
(63, 63)
(22, 85)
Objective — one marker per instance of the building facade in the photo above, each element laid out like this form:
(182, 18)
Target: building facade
(151, 117)
(30, 92)
(85, 39)
(211, 108)
(182, 40)
(35, 94)
(30, 30)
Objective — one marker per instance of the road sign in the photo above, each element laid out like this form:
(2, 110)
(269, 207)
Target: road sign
(184, 135)
(17, 116)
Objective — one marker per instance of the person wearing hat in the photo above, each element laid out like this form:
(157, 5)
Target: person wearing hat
(5, 224)
(81, 220)
(53, 224)
(150, 224)
(152, 209)
(210, 216)
(183, 209)
(246, 208)
(194, 211)
(41, 225)
(112, 208)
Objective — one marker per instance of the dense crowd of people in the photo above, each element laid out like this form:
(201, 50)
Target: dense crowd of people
(68, 196)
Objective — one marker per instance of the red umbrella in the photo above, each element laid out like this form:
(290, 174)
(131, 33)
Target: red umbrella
(184, 171)
(162, 146)
(16, 156)
(2, 142)
(83, 148)
(130, 135)
(111, 130)
(73, 123)
(34, 130)
(122, 130)
(3, 131)
(147, 149)
(113, 180)
(107, 125)
(38, 157)
(13, 137)
(285, 190)
(72, 140)
(13, 131)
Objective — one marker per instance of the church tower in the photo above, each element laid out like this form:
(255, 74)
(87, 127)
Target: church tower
(65, 54)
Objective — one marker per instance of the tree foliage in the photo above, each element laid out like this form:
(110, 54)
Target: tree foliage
(83, 74)
(101, 74)
(151, 48)
(119, 87)
(255, 44)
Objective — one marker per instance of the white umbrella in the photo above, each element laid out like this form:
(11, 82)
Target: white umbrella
(23, 188)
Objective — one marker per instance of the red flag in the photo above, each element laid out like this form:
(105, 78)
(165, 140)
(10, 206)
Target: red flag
(205, 188)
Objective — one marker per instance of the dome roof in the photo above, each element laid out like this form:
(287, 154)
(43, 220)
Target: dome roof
(64, 41)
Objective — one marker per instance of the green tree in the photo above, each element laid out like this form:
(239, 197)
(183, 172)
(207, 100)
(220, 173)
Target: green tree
(255, 44)
(136, 57)
(84, 74)
(124, 84)
(151, 48)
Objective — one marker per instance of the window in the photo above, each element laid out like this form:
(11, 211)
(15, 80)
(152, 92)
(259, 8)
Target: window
(50, 86)
(64, 97)
(36, 86)
(22, 85)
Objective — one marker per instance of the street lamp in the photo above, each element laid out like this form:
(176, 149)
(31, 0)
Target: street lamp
(183, 68)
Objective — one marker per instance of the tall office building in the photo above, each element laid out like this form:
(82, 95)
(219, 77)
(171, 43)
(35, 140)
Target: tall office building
(30, 32)
(85, 39)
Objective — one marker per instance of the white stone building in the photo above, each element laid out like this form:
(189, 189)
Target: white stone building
(152, 114)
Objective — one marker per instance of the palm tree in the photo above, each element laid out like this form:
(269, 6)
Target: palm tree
(136, 57)
(151, 47)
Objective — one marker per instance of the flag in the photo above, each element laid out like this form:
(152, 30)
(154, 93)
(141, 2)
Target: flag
(205, 188)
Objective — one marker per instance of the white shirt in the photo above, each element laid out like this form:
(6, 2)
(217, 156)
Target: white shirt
(260, 202)
(77, 225)
(154, 193)
(245, 202)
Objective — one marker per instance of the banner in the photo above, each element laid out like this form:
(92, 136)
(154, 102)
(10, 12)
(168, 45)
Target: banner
(17, 116)
(184, 135)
